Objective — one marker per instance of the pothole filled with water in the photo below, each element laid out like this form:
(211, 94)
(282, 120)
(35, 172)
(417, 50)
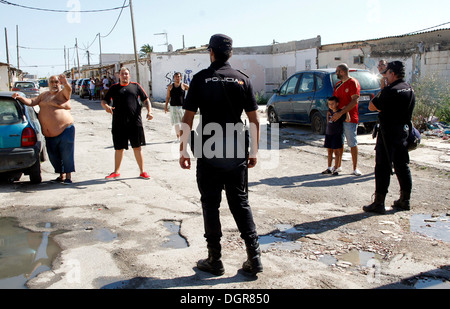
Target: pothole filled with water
(434, 226)
(352, 258)
(175, 240)
(104, 235)
(285, 238)
(24, 254)
(431, 283)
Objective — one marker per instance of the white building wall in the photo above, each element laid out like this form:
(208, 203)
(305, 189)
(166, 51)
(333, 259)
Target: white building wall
(255, 67)
(417, 65)
(285, 64)
(144, 74)
(4, 78)
(437, 62)
(264, 70)
(331, 59)
(165, 65)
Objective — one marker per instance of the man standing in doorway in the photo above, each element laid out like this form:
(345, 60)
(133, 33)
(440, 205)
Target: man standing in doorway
(347, 90)
(127, 122)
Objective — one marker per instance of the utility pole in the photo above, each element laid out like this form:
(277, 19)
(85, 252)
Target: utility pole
(65, 59)
(7, 60)
(134, 41)
(88, 56)
(100, 44)
(78, 58)
(17, 37)
(68, 60)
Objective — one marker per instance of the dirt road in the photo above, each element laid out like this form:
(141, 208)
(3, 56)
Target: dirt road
(114, 234)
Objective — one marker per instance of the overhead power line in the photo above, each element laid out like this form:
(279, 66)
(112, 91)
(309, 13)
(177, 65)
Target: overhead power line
(87, 48)
(45, 48)
(115, 24)
(61, 11)
(429, 28)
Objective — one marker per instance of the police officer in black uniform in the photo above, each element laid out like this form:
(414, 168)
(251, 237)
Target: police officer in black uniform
(222, 93)
(396, 104)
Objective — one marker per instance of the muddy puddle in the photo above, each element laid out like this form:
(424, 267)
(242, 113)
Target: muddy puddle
(104, 235)
(352, 258)
(285, 238)
(24, 254)
(174, 240)
(433, 226)
(431, 283)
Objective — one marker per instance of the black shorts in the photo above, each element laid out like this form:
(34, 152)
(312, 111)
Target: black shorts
(334, 141)
(134, 134)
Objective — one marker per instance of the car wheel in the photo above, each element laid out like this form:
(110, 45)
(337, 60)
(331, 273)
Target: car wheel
(369, 126)
(318, 124)
(10, 177)
(272, 116)
(35, 172)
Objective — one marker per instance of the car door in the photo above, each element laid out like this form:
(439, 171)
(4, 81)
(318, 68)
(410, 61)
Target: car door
(11, 123)
(301, 103)
(287, 92)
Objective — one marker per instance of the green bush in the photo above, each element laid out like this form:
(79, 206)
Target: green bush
(444, 113)
(261, 98)
(432, 99)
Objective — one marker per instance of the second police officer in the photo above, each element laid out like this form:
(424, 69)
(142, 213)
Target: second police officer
(221, 93)
(396, 104)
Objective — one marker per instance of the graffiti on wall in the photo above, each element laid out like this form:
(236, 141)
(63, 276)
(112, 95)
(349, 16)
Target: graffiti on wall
(186, 77)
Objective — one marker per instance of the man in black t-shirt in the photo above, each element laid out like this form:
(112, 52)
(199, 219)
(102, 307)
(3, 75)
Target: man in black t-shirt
(395, 104)
(126, 120)
(222, 93)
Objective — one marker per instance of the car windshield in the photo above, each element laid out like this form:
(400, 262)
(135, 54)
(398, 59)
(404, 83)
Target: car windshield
(8, 112)
(367, 80)
(25, 85)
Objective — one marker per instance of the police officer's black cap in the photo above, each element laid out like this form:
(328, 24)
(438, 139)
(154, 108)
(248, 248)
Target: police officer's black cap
(220, 42)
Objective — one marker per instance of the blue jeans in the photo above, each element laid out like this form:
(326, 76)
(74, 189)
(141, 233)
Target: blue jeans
(61, 150)
(350, 132)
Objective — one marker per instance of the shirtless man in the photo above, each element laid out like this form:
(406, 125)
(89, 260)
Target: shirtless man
(57, 125)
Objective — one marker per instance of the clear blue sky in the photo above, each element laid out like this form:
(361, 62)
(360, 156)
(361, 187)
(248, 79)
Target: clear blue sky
(248, 22)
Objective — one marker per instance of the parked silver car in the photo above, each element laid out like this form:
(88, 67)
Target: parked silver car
(28, 88)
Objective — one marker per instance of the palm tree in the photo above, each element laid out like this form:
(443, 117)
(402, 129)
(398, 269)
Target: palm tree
(145, 50)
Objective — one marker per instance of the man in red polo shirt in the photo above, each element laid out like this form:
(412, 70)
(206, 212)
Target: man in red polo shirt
(348, 92)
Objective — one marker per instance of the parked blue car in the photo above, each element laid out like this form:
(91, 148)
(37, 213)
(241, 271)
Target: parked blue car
(302, 98)
(21, 141)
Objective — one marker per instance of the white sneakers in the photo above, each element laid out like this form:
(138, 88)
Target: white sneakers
(333, 171)
(357, 172)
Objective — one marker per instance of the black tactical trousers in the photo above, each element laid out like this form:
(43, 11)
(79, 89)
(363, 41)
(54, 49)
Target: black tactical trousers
(211, 181)
(391, 150)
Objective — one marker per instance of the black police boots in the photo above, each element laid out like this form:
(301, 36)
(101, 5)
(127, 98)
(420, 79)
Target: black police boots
(378, 205)
(213, 264)
(253, 264)
(403, 202)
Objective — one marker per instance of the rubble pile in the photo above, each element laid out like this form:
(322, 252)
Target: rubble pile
(437, 129)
